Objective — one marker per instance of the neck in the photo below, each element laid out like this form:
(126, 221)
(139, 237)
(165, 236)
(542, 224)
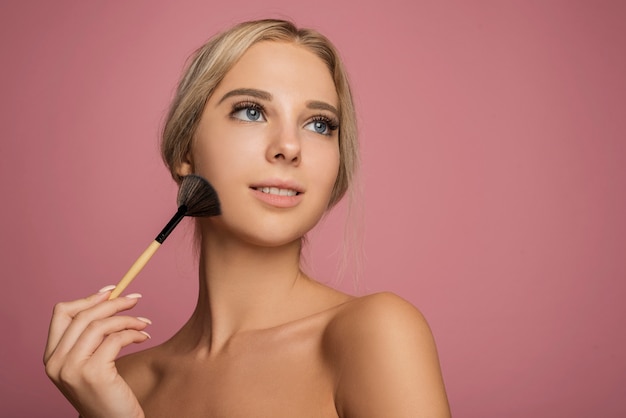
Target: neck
(243, 287)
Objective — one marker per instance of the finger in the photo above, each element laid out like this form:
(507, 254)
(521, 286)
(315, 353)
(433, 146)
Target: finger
(63, 314)
(97, 331)
(81, 320)
(113, 344)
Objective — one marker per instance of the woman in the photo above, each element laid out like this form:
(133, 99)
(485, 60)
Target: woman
(264, 113)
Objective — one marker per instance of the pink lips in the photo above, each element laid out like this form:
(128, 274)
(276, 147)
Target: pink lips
(278, 193)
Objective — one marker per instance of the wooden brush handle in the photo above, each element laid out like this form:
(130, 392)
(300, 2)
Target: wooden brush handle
(135, 269)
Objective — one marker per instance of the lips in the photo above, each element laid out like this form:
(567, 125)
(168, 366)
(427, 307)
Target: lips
(279, 187)
(277, 191)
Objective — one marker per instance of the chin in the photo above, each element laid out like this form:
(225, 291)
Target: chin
(275, 243)
(271, 236)
(267, 235)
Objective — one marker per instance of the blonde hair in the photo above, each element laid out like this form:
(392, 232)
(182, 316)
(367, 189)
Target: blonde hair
(210, 63)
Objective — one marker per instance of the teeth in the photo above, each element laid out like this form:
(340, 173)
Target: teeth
(277, 191)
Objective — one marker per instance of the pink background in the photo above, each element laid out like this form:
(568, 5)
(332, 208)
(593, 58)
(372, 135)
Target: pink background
(494, 173)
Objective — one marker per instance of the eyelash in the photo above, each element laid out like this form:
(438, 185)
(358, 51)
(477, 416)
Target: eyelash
(332, 123)
(247, 105)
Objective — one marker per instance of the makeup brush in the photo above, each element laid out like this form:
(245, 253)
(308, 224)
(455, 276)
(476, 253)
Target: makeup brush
(196, 197)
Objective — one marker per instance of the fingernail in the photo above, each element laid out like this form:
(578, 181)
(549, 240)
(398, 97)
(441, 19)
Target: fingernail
(146, 334)
(146, 320)
(106, 288)
(133, 296)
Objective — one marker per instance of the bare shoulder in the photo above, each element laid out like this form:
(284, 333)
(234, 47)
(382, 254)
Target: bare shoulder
(381, 319)
(385, 360)
(368, 311)
(139, 370)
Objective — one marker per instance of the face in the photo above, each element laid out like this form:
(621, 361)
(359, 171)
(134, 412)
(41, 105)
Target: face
(268, 142)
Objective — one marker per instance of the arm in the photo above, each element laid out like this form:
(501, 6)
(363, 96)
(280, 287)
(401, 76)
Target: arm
(387, 362)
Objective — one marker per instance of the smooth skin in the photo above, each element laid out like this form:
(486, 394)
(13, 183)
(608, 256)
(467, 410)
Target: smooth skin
(264, 340)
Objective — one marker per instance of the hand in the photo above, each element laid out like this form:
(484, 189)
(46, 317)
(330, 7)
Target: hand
(84, 339)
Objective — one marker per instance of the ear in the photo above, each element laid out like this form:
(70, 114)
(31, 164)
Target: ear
(185, 167)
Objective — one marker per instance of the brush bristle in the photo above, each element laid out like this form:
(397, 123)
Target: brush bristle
(198, 196)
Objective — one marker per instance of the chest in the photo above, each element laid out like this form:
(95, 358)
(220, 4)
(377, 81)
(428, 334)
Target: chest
(253, 378)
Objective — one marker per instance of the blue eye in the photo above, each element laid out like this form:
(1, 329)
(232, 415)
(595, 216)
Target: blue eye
(322, 125)
(249, 112)
(253, 114)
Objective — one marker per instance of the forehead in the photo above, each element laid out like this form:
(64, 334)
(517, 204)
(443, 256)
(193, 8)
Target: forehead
(282, 68)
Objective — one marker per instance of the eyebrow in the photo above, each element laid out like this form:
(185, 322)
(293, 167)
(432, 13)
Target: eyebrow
(259, 94)
(314, 104)
(264, 95)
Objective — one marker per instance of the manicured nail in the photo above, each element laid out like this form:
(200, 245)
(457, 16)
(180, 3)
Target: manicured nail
(146, 334)
(146, 320)
(133, 296)
(106, 288)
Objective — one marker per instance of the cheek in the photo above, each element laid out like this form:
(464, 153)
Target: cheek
(323, 169)
(327, 163)
(220, 156)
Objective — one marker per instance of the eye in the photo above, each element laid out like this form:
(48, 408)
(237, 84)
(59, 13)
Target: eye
(322, 125)
(248, 111)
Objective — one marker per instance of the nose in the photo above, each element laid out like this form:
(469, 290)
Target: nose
(285, 147)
